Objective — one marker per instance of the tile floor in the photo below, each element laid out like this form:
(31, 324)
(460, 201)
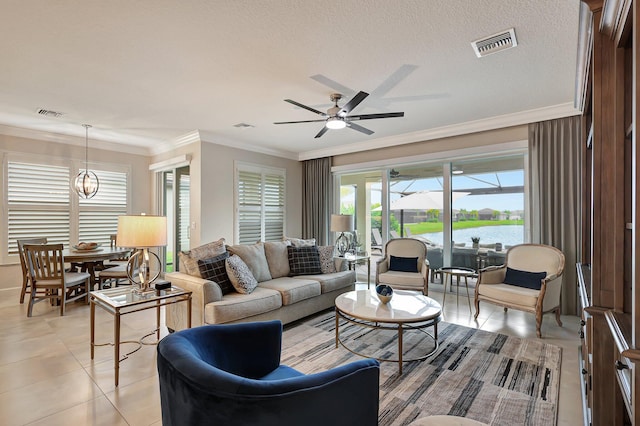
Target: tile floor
(48, 378)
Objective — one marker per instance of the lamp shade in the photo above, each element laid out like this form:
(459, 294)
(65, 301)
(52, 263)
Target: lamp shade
(142, 231)
(341, 223)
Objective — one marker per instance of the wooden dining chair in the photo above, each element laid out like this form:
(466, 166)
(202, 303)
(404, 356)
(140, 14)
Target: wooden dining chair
(49, 280)
(26, 277)
(117, 275)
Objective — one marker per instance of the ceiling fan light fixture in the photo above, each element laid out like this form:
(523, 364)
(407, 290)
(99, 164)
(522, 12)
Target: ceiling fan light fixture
(335, 123)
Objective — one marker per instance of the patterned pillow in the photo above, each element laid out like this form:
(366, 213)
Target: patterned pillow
(327, 265)
(189, 259)
(299, 242)
(304, 260)
(214, 269)
(240, 275)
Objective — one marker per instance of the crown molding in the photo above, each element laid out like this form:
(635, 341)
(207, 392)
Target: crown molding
(492, 123)
(70, 139)
(215, 139)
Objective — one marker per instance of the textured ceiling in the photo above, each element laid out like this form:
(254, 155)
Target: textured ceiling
(149, 72)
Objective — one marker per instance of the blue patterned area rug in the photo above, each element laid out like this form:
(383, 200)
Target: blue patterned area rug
(489, 377)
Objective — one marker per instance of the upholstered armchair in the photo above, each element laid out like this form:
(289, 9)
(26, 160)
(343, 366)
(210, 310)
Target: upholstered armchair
(530, 281)
(404, 265)
(230, 374)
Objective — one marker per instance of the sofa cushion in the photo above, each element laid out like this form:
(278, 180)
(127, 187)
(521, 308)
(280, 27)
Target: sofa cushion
(333, 281)
(327, 264)
(304, 260)
(215, 269)
(299, 242)
(403, 264)
(189, 259)
(253, 255)
(293, 290)
(526, 279)
(277, 258)
(240, 275)
(236, 306)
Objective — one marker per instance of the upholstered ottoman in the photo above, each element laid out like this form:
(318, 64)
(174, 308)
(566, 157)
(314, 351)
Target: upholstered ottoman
(446, 421)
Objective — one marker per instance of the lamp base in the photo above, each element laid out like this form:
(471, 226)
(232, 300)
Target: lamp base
(139, 271)
(342, 244)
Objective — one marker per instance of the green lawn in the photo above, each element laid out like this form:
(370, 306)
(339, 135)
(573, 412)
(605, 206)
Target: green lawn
(427, 227)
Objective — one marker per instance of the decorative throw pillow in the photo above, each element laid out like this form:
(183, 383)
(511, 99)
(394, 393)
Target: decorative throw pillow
(277, 258)
(403, 264)
(526, 279)
(327, 265)
(253, 255)
(189, 259)
(215, 269)
(240, 275)
(299, 242)
(304, 260)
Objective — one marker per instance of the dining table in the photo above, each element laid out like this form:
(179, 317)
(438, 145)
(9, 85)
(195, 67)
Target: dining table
(92, 259)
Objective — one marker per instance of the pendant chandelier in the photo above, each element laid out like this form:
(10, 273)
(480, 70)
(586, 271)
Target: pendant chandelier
(86, 183)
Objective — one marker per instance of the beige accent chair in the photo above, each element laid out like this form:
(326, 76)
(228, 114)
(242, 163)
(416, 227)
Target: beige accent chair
(404, 247)
(524, 257)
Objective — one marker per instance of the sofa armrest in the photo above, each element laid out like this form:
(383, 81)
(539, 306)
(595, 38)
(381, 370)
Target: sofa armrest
(202, 292)
(382, 266)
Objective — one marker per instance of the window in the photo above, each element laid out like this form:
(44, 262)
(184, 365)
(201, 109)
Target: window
(40, 202)
(260, 204)
(37, 203)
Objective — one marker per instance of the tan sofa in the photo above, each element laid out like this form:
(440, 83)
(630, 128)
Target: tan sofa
(284, 297)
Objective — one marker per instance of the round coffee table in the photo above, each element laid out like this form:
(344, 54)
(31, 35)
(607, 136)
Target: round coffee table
(406, 310)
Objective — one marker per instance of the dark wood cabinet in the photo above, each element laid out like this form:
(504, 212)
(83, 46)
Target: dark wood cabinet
(610, 266)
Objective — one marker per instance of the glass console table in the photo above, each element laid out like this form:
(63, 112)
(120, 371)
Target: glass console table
(121, 301)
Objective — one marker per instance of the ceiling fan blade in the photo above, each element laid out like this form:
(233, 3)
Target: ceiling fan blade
(374, 116)
(354, 102)
(333, 84)
(322, 131)
(359, 128)
(393, 80)
(303, 121)
(298, 104)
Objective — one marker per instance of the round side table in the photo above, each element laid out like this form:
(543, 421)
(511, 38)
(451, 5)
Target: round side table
(448, 272)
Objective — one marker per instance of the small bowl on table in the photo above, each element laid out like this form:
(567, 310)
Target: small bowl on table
(384, 293)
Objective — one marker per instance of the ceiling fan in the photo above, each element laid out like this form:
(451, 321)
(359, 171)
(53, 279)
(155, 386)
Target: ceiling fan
(339, 118)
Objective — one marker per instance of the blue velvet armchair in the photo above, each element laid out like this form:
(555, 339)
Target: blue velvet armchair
(231, 375)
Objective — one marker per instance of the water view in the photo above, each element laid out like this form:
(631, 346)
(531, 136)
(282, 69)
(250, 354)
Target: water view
(508, 235)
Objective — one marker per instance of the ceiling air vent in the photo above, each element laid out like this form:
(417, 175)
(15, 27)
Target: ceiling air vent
(49, 113)
(242, 125)
(495, 43)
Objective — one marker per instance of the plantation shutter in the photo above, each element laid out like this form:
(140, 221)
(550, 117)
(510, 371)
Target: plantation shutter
(37, 202)
(260, 198)
(98, 216)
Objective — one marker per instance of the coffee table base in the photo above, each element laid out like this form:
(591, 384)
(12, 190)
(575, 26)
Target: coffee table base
(399, 327)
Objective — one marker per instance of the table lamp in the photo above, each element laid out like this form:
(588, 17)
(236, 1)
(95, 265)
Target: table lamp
(142, 232)
(342, 223)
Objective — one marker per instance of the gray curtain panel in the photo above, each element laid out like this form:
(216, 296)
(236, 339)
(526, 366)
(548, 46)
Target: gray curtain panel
(317, 199)
(555, 194)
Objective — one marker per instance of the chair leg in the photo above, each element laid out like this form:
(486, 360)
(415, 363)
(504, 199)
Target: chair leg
(505, 309)
(31, 301)
(558, 316)
(477, 302)
(538, 323)
(63, 301)
(86, 289)
(23, 292)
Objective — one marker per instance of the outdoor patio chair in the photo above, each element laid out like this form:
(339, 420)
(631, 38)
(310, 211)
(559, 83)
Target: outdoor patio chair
(530, 281)
(377, 240)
